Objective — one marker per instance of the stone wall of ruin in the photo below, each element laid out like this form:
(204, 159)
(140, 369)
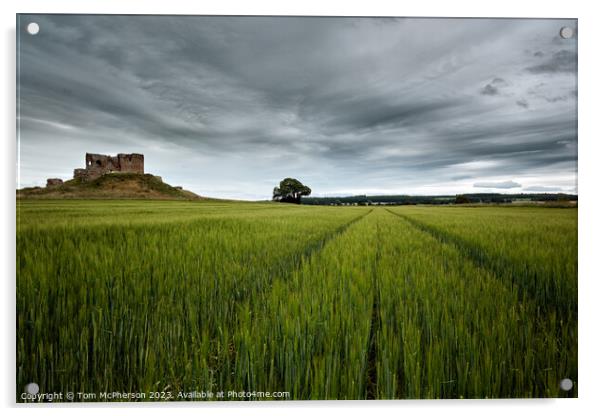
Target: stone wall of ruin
(53, 182)
(131, 163)
(98, 165)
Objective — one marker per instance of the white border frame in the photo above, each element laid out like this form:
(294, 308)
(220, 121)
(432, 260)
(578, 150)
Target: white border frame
(589, 192)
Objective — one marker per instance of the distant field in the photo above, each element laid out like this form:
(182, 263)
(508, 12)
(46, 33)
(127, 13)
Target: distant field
(321, 302)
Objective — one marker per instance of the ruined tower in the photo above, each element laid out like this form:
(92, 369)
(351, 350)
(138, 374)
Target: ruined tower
(98, 165)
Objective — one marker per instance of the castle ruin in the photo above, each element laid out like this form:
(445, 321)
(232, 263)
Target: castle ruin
(98, 165)
(54, 182)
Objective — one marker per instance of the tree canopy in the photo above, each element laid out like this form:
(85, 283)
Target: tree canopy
(290, 190)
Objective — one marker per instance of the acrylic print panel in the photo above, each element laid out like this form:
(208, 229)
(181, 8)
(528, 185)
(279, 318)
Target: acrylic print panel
(295, 208)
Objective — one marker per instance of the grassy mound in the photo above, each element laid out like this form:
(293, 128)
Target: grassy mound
(111, 186)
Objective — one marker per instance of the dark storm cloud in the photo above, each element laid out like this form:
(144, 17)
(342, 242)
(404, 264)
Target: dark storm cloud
(355, 105)
(460, 177)
(489, 90)
(376, 112)
(523, 103)
(558, 98)
(493, 88)
(561, 61)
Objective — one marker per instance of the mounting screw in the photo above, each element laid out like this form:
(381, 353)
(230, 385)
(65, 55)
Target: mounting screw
(566, 384)
(32, 388)
(33, 28)
(566, 32)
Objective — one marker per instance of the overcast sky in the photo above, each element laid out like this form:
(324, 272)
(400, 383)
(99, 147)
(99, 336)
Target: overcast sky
(229, 106)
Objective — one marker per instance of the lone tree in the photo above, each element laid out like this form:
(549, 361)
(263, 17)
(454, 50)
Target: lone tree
(290, 190)
(462, 199)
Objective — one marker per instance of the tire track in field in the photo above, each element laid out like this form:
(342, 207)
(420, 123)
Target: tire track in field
(294, 263)
(497, 266)
(311, 249)
(375, 327)
(314, 247)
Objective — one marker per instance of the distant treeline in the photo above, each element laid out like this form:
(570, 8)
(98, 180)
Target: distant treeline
(490, 198)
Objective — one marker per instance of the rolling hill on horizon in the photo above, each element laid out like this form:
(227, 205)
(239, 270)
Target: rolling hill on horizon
(111, 186)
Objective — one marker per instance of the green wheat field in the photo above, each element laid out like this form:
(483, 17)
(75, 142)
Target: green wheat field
(373, 302)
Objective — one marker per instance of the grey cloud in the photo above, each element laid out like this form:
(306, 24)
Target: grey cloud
(349, 103)
(498, 185)
(493, 88)
(379, 112)
(538, 188)
(460, 177)
(561, 61)
(557, 98)
(523, 103)
(490, 90)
